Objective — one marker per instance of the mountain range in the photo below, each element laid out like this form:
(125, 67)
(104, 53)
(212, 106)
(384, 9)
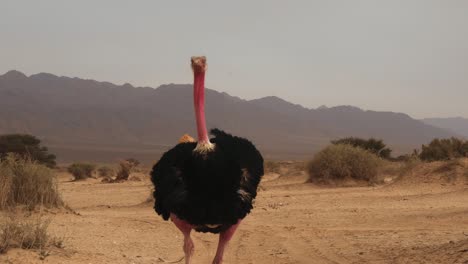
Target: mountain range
(82, 119)
(458, 125)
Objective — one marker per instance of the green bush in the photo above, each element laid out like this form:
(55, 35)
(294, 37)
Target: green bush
(341, 162)
(26, 146)
(373, 145)
(444, 149)
(25, 182)
(81, 171)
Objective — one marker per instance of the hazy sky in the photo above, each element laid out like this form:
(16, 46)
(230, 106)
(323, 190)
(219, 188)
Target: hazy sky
(398, 55)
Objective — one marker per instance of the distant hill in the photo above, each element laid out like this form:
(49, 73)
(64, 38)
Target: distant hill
(90, 120)
(458, 125)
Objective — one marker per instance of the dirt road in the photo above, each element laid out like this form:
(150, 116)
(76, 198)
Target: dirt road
(293, 222)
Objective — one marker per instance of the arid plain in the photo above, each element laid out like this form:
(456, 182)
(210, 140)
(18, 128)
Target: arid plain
(419, 217)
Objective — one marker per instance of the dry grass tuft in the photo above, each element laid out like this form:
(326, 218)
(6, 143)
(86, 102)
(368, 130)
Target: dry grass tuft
(26, 233)
(339, 163)
(27, 183)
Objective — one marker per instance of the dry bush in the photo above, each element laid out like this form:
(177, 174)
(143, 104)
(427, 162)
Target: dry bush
(124, 170)
(340, 162)
(26, 233)
(5, 185)
(25, 182)
(81, 171)
(106, 172)
(126, 167)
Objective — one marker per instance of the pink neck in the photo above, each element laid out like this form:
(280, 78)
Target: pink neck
(199, 102)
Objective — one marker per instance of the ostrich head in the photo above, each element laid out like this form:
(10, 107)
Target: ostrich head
(199, 68)
(199, 64)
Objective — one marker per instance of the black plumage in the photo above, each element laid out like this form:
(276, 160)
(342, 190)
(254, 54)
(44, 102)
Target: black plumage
(211, 190)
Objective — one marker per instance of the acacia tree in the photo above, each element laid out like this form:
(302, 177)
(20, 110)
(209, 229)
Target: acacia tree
(27, 146)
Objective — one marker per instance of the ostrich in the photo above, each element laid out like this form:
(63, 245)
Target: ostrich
(208, 185)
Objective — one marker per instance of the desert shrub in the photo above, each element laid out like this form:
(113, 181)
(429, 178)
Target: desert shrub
(81, 171)
(27, 146)
(444, 149)
(125, 168)
(340, 162)
(25, 182)
(373, 145)
(105, 172)
(26, 233)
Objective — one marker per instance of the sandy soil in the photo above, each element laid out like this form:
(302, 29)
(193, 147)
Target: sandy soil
(408, 221)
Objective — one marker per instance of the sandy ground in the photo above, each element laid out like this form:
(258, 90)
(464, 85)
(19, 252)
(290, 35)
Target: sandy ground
(408, 221)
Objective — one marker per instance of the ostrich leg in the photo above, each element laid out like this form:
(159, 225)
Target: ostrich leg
(185, 228)
(224, 239)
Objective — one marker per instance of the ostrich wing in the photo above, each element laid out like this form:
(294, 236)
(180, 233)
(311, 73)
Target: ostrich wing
(248, 157)
(167, 178)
